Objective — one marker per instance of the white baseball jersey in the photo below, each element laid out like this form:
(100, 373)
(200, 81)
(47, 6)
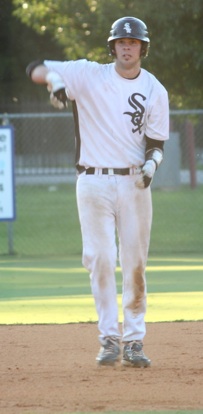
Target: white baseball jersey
(113, 113)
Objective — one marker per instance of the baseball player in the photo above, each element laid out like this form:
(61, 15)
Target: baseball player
(121, 117)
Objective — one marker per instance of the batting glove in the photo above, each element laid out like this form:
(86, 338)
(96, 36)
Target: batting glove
(146, 174)
(56, 86)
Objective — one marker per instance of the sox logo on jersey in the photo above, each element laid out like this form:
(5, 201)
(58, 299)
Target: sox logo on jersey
(137, 116)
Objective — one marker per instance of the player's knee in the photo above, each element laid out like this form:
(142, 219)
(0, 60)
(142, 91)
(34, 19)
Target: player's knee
(103, 260)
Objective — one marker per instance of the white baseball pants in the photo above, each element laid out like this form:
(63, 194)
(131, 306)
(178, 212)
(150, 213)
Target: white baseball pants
(106, 203)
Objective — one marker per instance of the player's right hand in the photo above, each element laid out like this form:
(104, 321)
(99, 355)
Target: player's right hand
(56, 87)
(59, 99)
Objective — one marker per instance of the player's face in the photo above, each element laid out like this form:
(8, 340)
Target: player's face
(127, 52)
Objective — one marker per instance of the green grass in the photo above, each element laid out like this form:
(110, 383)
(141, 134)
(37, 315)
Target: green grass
(177, 221)
(56, 277)
(58, 291)
(47, 222)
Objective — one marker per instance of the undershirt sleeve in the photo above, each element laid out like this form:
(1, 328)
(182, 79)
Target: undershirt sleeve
(154, 143)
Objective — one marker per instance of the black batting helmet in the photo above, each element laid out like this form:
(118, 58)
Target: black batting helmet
(132, 28)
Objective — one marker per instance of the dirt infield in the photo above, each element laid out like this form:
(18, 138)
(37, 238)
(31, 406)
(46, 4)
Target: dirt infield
(51, 369)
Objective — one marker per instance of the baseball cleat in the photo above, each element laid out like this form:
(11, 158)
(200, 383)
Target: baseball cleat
(109, 351)
(134, 356)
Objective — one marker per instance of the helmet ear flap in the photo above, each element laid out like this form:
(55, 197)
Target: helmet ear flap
(144, 49)
(111, 48)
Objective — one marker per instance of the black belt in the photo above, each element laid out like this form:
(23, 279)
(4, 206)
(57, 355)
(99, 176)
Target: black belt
(108, 171)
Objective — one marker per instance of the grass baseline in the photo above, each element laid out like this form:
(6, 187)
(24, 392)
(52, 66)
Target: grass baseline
(58, 291)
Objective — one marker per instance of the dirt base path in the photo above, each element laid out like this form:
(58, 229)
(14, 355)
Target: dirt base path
(52, 369)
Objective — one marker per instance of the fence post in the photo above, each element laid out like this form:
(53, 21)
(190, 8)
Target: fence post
(190, 142)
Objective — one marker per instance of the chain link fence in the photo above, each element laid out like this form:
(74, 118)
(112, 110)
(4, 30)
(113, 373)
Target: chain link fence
(47, 221)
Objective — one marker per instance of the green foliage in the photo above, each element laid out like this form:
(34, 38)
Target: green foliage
(81, 28)
(20, 44)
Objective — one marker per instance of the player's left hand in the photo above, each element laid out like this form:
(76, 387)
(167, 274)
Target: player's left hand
(146, 174)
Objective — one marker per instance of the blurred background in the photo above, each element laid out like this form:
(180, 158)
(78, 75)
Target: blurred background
(46, 221)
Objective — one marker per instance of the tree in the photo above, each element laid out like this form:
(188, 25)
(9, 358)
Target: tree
(80, 29)
(18, 43)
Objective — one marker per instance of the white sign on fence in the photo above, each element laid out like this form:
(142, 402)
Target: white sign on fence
(7, 193)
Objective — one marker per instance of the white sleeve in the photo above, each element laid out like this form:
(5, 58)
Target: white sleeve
(158, 116)
(71, 72)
